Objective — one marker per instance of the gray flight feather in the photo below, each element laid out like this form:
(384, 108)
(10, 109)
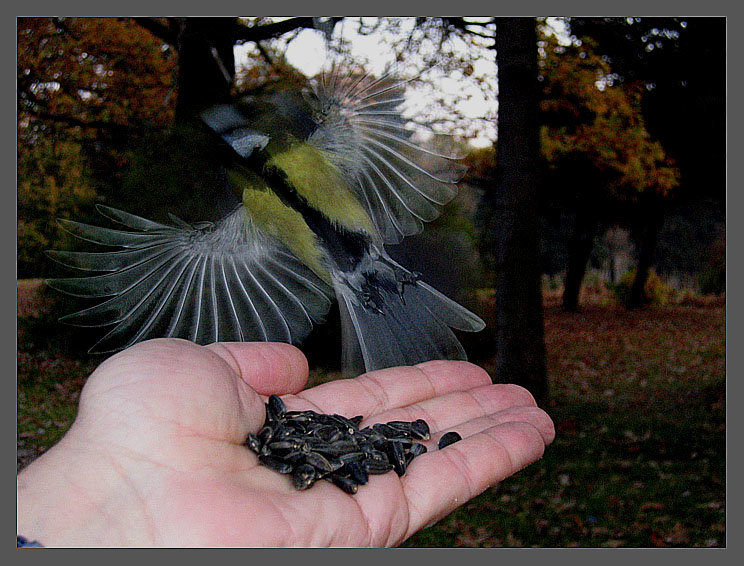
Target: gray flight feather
(411, 324)
(214, 282)
(401, 182)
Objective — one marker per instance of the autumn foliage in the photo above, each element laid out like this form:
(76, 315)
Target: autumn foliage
(107, 73)
(88, 88)
(588, 113)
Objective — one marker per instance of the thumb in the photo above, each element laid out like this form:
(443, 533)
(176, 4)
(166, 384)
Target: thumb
(267, 367)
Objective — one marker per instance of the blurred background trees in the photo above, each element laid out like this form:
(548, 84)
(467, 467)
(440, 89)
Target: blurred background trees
(628, 174)
(678, 67)
(87, 89)
(600, 158)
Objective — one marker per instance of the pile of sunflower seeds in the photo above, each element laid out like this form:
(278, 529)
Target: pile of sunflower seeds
(311, 446)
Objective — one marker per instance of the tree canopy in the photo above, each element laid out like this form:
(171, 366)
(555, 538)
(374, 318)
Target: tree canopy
(587, 114)
(94, 74)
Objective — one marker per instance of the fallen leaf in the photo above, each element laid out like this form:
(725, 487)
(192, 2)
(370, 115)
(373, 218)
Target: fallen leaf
(656, 540)
(678, 535)
(614, 543)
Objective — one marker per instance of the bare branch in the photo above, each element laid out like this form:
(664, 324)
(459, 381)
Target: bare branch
(270, 31)
(461, 25)
(265, 54)
(74, 121)
(240, 32)
(34, 106)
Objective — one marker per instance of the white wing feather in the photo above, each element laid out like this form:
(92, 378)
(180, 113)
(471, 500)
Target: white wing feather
(221, 282)
(401, 182)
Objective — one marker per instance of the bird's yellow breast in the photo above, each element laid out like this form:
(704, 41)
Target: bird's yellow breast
(280, 221)
(320, 183)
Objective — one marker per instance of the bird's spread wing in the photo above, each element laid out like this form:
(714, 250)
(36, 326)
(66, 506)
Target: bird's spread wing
(207, 283)
(398, 180)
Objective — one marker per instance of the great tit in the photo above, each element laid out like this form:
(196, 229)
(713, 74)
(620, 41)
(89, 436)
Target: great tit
(326, 178)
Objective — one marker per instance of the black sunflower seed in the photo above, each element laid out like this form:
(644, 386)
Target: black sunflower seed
(402, 429)
(374, 436)
(321, 464)
(282, 433)
(357, 472)
(397, 457)
(295, 457)
(448, 438)
(417, 449)
(276, 406)
(420, 430)
(384, 430)
(312, 443)
(284, 446)
(304, 476)
(265, 435)
(299, 416)
(377, 466)
(275, 464)
(346, 425)
(403, 425)
(326, 432)
(347, 484)
(253, 443)
(351, 457)
(335, 437)
(377, 455)
(339, 448)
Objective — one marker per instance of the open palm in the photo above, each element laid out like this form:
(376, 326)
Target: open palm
(155, 456)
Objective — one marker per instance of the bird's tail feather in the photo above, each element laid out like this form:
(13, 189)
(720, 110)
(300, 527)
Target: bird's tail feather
(405, 327)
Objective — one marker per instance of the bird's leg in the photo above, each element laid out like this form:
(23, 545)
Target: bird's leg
(379, 275)
(366, 288)
(370, 293)
(407, 278)
(402, 277)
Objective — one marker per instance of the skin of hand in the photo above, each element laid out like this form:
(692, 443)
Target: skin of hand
(155, 455)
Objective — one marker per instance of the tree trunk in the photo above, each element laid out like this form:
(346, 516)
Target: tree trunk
(646, 243)
(206, 63)
(511, 228)
(580, 248)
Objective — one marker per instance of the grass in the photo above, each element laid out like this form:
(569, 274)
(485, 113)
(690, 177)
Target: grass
(638, 399)
(49, 378)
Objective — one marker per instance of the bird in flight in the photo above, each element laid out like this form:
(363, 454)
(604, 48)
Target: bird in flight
(326, 178)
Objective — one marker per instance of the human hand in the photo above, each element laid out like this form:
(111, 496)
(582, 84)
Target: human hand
(155, 455)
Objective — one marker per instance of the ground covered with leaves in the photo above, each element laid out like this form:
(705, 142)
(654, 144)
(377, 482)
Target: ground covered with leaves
(639, 460)
(638, 399)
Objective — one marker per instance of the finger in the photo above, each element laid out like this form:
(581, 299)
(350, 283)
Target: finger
(451, 409)
(386, 389)
(532, 415)
(268, 367)
(445, 479)
(457, 411)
